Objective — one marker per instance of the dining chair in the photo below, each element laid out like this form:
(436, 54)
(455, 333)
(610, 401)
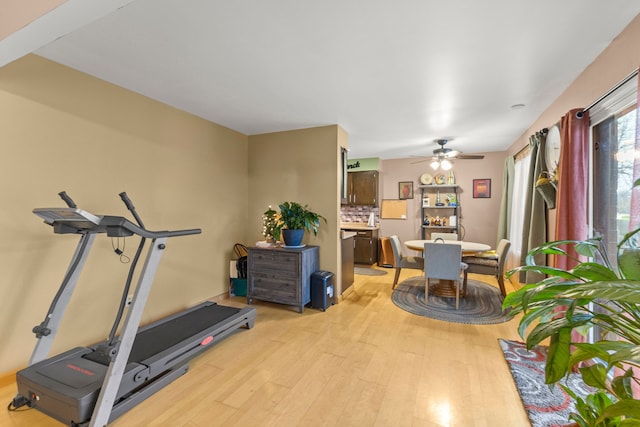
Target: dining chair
(400, 260)
(444, 236)
(489, 263)
(443, 261)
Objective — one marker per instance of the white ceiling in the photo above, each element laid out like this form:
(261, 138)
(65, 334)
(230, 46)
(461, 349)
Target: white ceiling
(394, 74)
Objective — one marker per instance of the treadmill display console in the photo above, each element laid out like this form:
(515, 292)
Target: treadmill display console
(51, 215)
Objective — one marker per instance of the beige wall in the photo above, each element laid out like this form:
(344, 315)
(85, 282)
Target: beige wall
(301, 166)
(63, 130)
(479, 216)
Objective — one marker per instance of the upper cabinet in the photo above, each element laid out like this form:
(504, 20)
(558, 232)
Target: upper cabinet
(362, 188)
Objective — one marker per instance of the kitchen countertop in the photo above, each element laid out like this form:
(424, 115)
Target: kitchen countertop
(344, 234)
(357, 226)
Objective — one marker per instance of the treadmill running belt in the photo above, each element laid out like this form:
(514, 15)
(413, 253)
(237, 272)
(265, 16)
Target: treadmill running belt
(154, 340)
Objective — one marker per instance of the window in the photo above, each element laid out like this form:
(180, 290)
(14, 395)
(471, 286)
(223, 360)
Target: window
(614, 154)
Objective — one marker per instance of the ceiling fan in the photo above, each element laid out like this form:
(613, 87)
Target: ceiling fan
(442, 155)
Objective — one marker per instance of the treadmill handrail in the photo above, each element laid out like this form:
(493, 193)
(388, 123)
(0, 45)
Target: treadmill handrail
(122, 222)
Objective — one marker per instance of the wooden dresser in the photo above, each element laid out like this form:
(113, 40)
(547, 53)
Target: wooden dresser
(281, 275)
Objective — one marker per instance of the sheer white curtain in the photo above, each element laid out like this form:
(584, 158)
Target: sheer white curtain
(521, 173)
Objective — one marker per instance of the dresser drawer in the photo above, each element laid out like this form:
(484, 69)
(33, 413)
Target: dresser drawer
(276, 289)
(270, 260)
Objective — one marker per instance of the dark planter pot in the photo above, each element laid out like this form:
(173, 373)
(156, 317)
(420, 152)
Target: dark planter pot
(292, 237)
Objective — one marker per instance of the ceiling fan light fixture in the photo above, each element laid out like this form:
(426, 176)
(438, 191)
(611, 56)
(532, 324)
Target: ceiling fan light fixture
(445, 165)
(435, 165)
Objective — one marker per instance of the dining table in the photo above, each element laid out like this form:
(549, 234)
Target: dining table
(446, 288)
(468, 248)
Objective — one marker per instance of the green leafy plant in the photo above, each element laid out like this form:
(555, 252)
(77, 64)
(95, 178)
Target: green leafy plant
(294, 216)
(592, 294)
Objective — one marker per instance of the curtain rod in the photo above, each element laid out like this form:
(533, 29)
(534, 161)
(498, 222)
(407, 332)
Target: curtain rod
(526, 148)
(522, 152)
(580, 114)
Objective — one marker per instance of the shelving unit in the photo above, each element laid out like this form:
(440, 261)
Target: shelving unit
(431, 210)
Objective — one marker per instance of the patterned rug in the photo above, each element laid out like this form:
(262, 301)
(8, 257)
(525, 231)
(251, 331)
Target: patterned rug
(545, 406)
(481, 306)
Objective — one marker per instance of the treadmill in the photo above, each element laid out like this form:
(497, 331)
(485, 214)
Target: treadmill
(92, 386)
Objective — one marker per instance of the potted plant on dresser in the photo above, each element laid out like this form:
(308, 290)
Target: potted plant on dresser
(594, 296)
(293, 221)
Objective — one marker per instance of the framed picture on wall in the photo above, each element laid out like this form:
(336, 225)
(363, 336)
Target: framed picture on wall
(482, 188)
(405, 190)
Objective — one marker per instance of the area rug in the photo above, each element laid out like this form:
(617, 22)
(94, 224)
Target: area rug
(481, 306)
(545, 406)
(366, 271)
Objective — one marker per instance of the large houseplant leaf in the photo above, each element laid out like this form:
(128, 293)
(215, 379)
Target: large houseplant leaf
(629, 263)
(545, 330)
(558, 356)
(626, 291)
(594, 272)
(629, 408)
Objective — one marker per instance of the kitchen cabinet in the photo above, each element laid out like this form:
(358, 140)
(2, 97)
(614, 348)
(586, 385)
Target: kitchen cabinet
(281, 275)
(362, 188)
(436, 205)
(365, 246)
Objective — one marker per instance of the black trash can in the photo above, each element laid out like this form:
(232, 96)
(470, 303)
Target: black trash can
(322, 289)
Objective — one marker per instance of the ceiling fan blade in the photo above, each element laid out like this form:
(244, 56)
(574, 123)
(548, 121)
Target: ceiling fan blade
(470, 156)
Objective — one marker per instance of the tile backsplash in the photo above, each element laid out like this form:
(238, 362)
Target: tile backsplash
(358, 213)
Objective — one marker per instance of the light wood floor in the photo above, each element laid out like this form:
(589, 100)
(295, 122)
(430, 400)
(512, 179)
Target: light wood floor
(363, 362)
